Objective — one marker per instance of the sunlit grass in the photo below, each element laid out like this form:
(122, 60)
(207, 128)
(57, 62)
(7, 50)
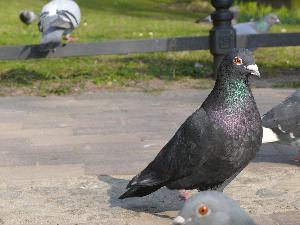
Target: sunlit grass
(119, 19)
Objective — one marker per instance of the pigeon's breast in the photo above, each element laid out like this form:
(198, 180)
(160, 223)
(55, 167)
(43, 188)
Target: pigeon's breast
(236, 123)
(239, 132)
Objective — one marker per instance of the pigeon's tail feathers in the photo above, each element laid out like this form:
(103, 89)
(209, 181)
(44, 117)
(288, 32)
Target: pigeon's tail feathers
(144, 179)
(144, 184)
(139, 191)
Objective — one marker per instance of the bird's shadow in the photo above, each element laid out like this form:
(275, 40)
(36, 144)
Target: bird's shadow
(159, 203)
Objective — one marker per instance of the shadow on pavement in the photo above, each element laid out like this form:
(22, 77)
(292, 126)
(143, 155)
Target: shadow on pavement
(156, 203)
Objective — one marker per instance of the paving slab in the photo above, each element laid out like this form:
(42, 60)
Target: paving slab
(65, 160)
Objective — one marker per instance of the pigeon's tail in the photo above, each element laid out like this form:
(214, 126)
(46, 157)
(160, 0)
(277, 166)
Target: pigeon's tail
(144, 184)
(139, 191)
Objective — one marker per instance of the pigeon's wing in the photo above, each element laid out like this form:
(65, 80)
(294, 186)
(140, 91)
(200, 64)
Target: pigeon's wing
(188, 148)
(178, 158)
(66, 14)
(244, 28)
(285, 117)
(49, 10)
(69, 11)
(61, 23)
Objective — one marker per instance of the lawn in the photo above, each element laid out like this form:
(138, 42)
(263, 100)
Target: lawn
(123, 19)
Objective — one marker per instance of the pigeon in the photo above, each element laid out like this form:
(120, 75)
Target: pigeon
(216, 142)
(27, 17)
(58, 19)
(234, 9)
(257, 27)
(282, 123)
(212, 208)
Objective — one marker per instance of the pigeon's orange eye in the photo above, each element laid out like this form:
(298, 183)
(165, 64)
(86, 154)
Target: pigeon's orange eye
(203, 210)
(237, 61)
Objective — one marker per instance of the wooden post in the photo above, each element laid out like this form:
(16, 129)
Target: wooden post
(222, 35)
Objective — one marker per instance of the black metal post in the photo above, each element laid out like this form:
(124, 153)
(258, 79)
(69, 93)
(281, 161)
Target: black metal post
(222, 35)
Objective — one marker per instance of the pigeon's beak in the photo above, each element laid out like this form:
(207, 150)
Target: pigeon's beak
(178, 220)
(253, 69)
(277, 21)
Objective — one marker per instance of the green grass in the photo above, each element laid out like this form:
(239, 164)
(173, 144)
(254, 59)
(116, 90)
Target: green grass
(119, 19)
(295, 84)
(254, 10)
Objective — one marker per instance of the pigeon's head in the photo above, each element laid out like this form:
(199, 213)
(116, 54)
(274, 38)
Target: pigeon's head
(27, 17)
(271, 19)
(238, 64)
(208, 207)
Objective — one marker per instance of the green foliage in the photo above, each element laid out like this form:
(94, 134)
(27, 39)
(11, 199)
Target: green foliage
(253, 11)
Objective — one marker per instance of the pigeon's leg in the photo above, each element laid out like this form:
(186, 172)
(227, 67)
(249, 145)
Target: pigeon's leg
(69, 38)
(184, 194)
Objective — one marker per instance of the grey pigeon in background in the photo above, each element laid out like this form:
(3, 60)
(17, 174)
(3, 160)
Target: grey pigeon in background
(212, 208)
(234, 9)
(257, 27)
(282, 123)
(58, 19)
(216, 142)
(27, 17)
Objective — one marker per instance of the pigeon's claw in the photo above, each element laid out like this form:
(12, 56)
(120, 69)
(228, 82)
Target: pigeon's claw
(184, 194)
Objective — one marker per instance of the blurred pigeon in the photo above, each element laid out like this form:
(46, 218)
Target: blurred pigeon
(58, 19)
(27, 17)
(216, 142)
(234, 9)
(282, 123)
(257, 27)
(212, 208)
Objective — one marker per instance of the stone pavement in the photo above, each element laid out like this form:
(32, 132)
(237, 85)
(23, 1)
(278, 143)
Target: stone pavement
(65, 160)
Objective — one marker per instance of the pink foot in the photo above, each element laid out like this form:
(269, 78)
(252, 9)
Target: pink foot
(296, 159)
(69, 39)
(184, 194)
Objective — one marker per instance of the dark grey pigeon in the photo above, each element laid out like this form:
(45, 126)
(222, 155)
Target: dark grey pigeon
(216, 142)
(257, 27)
(282, 123)
(58, 19)
(212, 208)
(27, 17)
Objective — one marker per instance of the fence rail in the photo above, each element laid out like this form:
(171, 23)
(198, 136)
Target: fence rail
(144, 46)
(107, 47)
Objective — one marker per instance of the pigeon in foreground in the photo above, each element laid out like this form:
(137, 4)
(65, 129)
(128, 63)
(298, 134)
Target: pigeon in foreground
(212, 208)
(282, 123)
(27, 17)
(58, 19)
(257, 27)
(216, 142)
(234, 9)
